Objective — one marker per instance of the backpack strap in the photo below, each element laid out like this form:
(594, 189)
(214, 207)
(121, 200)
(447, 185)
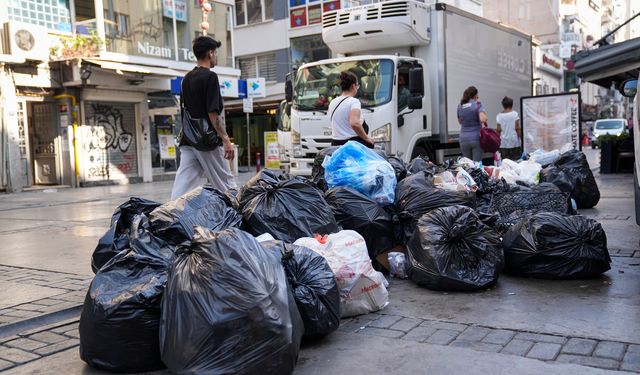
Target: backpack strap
(334, 110)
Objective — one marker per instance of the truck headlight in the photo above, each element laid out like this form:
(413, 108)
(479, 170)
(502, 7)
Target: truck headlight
(297, 151)
(382, 134)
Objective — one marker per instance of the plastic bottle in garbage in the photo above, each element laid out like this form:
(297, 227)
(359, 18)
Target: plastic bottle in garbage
(497, 159)
(397, 265)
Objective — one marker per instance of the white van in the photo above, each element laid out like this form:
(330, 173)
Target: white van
(614, 126)
(629, 89)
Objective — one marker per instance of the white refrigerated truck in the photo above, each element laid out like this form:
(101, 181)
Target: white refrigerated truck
(440, 51)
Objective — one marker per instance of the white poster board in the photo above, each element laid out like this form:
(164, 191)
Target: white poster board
(551, 122)
(247, 105)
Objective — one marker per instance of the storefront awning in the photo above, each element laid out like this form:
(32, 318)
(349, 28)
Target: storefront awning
(611, 63)
(120, 68)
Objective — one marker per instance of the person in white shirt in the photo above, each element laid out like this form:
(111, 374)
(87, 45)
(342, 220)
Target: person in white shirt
(508, 126)
(346, 114)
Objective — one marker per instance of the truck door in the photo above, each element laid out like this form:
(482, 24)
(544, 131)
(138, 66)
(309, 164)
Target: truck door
(410, 120)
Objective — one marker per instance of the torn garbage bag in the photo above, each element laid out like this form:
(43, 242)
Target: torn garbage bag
(555, 246)
(362, 289)
(353, 210)
(356, 166)
(116, 238)
(288, 210)
(452, 250)
(585, 189)
(203, 206)
(314, 287)
(120, 319)
(417, 196)
(228, 309)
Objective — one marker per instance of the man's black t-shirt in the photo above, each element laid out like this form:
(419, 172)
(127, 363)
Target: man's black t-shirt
(201, 93)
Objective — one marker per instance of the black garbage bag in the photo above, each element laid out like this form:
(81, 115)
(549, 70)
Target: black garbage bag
(354, 210)
(453, 250)
(314, 287)
(288, 211)
(254, 186)
(203, 206)
(116, 238)
(558, 177)
(422, 163)
(120, 320)
(416, 196)
(317, 170)
(585, 189)
(228, 309)
(483, 198)
(554, 246)
(481, 178)
(398, 166)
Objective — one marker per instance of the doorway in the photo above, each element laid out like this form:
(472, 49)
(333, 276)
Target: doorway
(43, 134)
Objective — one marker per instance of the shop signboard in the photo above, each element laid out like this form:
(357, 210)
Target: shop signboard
(551, 122)
(272, 157)
(181, 9)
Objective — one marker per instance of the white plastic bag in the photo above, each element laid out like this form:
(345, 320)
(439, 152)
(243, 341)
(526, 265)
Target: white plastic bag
(362, 289)
(545, 158)
(527, 171)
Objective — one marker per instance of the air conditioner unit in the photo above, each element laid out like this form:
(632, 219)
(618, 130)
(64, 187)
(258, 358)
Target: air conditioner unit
(25, 40)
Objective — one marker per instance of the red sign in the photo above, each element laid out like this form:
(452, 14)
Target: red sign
(298, 17)
(333, 5)
(550, 61)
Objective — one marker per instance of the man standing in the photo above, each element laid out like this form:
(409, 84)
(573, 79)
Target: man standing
(202, 99)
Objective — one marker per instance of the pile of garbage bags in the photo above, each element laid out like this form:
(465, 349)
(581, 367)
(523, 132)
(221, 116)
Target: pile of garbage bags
(231, 282)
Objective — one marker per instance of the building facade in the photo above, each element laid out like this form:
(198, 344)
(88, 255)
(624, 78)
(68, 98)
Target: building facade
(88, 87)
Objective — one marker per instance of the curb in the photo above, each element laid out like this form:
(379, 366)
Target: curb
(39, 323)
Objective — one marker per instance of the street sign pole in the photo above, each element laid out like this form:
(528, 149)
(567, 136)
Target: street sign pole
(248, 143)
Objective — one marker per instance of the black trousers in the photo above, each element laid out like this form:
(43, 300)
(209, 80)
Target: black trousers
(340, 142)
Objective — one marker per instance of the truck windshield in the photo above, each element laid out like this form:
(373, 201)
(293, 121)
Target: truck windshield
(609, 125)
(315, 86)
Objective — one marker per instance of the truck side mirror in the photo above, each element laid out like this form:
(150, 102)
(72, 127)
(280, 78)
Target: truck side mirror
(416, 81)
(415, 102)
(287, 109)
(288, 91)
(629, 88)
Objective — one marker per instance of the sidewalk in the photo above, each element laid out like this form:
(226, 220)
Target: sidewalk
(521, 326)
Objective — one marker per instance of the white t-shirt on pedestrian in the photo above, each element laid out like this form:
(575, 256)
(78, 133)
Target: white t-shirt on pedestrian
(508, 137)
(340, 107)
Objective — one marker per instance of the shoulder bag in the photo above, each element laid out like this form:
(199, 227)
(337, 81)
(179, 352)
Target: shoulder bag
(197, 132)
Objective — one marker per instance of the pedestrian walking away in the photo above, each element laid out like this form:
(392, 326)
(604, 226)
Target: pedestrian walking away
(347, 123)
(203, 102)
(508, 126)
(471, 116)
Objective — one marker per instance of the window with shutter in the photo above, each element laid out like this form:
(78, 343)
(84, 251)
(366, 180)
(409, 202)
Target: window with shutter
(267, 67)
(247, 67)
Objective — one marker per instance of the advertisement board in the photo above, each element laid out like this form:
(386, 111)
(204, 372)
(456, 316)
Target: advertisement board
(272, 152)
(551, 122)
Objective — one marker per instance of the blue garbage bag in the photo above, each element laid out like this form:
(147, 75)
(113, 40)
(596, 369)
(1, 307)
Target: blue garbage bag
(354, 165)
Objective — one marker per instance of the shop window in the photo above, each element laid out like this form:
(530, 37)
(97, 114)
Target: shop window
(250, 12)
(53, 14)
(309, 12)
(259, 66)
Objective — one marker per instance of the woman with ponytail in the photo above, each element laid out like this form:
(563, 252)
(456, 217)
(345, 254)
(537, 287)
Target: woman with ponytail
(471, 115)
(346, 114)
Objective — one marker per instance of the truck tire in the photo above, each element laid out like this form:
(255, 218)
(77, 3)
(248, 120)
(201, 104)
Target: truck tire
(424, 151)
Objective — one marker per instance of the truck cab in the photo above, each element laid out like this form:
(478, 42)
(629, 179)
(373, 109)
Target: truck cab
(391, 94)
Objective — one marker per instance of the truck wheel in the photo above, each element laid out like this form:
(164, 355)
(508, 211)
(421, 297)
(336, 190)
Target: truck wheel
(422, 150)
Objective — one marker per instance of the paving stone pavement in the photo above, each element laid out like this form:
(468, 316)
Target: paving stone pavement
(35, 344)
(550, 348)
(72, 290)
